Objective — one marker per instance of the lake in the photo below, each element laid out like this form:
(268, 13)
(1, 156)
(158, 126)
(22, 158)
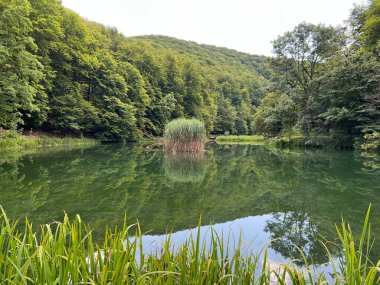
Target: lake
(289, 196)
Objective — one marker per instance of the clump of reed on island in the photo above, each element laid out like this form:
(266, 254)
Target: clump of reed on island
(66, 253)
(185, 135)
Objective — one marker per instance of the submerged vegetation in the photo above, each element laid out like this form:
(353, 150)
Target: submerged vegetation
(185, 135)
(66, 253)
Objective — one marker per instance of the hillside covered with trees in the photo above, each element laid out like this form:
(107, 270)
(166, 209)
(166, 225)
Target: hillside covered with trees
(62, 74)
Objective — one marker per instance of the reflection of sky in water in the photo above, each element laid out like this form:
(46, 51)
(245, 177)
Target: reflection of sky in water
(253, 234)
(250, 228)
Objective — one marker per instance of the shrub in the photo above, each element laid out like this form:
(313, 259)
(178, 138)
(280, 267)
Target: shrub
(185, 135)
(371, 142)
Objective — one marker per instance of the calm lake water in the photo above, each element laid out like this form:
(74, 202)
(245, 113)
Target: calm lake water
(289, 196)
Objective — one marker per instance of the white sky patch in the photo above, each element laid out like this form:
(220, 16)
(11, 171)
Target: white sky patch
(244, 25)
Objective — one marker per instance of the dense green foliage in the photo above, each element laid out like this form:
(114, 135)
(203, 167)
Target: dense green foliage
(326, 80)
(63, 74)
(66, 253)
(185, 135)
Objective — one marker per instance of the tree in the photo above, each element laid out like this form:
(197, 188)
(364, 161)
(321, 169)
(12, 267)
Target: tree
(71, 113)
(350, 95)
(20, 70)
(226, 117)
(192, 99)
(371, 27)
(276, 113)
(118, 121)
(300, 60)
(162, 112)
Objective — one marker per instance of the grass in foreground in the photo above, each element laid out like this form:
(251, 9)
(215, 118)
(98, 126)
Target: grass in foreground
(65, 253)
(185, 135)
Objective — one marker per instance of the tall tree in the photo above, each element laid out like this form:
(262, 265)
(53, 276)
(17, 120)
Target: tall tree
(20, 70)
(299, 62)
(371, 28)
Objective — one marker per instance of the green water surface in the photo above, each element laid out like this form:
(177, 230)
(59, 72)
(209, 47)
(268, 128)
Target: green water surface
(292, 196)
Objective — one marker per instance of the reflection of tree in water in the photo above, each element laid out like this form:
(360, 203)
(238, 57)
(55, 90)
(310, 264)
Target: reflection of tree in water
(290, 230)
(184, 167)
(105, 182)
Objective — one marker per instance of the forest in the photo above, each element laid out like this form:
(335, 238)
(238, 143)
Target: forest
(62, 74)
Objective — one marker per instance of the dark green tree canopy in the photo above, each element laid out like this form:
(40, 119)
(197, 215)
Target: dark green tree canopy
(63, 74)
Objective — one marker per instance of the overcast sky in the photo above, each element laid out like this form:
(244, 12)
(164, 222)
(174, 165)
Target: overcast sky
(244, 25)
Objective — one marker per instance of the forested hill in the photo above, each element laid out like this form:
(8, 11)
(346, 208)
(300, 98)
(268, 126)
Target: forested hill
(63, 74)
(209, 55)
(60, 73)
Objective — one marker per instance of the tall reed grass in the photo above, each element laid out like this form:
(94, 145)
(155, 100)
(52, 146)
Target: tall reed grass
(65, 253)
(185, 135)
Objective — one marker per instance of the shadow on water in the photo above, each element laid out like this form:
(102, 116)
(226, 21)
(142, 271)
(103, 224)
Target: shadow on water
(302, 192)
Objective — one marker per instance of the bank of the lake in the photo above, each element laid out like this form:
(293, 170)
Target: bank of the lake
(289, 141)
(13, 140)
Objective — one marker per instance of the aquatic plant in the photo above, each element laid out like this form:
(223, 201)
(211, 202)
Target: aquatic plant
(66, 253)
(185, 135)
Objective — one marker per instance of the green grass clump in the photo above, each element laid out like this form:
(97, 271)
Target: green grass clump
(66, 253)
(185, 135)
(252, 138)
